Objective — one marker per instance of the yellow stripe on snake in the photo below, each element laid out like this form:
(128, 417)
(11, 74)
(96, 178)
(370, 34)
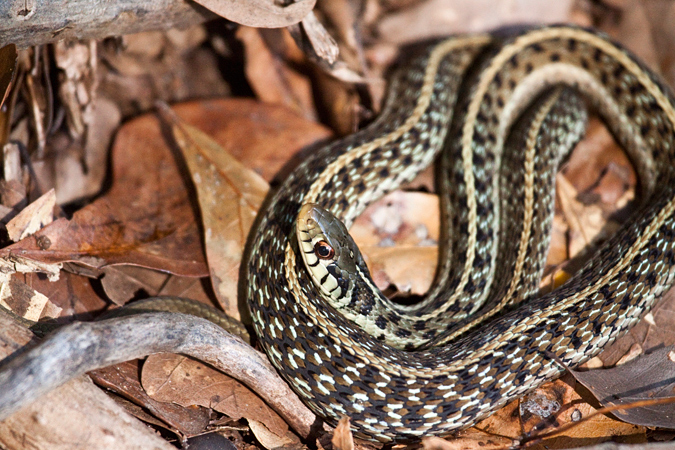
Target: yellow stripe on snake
(346, 349)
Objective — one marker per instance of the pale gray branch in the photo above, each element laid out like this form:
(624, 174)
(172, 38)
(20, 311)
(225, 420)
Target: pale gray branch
(57, 421)
(81, 347)
(34, 22)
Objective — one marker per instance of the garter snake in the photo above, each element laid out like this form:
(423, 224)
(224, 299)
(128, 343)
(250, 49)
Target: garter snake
(464, 95)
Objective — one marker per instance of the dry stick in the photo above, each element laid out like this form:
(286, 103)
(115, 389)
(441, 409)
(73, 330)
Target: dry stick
(80, 347)
(42, 21)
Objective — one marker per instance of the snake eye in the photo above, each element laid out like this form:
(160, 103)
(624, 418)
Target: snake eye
(323, 250)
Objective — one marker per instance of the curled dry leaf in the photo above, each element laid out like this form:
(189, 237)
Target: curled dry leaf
(261, 13)
(271, 440)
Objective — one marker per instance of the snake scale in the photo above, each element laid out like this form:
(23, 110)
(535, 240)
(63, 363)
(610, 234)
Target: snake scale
(464, 95)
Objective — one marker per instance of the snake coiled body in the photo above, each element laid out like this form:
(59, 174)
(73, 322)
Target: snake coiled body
(337, 368)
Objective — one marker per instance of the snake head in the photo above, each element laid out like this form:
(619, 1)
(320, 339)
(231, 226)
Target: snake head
(328, 251)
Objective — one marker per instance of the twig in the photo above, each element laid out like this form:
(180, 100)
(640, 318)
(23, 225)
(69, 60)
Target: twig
(42, 21)
(81, 347)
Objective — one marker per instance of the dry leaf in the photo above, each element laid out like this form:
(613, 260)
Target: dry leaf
(73, 293)
(123, 380)
(33, 218)
(229, 198)
(585, 221)
(145, 218)
(261, 13)
(656, 329)
(470, 440)
(261, 136)
(646, 377)
(229, 193)
(178, 379)
(79, 168)
(26, 302)
(271, 440)
(322, 43)
(398, 236)
(442, 17)
(593, 156)
(518, 418)
(272, 80)
(124, 282)
(342, 436)
(173, 66)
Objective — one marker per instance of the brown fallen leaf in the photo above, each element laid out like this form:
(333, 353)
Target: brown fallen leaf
(271, 440)
(229, 197)
(137, 70)
(398, 236)
(656, 329)
(79, 167)
(585, 221)
(74, 294)
(263, 137)
(272, 80)
(125, 282)
(552, 405)
(440, 17)
(470, 440)
(592, 158)
(261, 13)
(144, 219)
(342, 436)
(123, 380)
(646, 377)
(184, 381)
